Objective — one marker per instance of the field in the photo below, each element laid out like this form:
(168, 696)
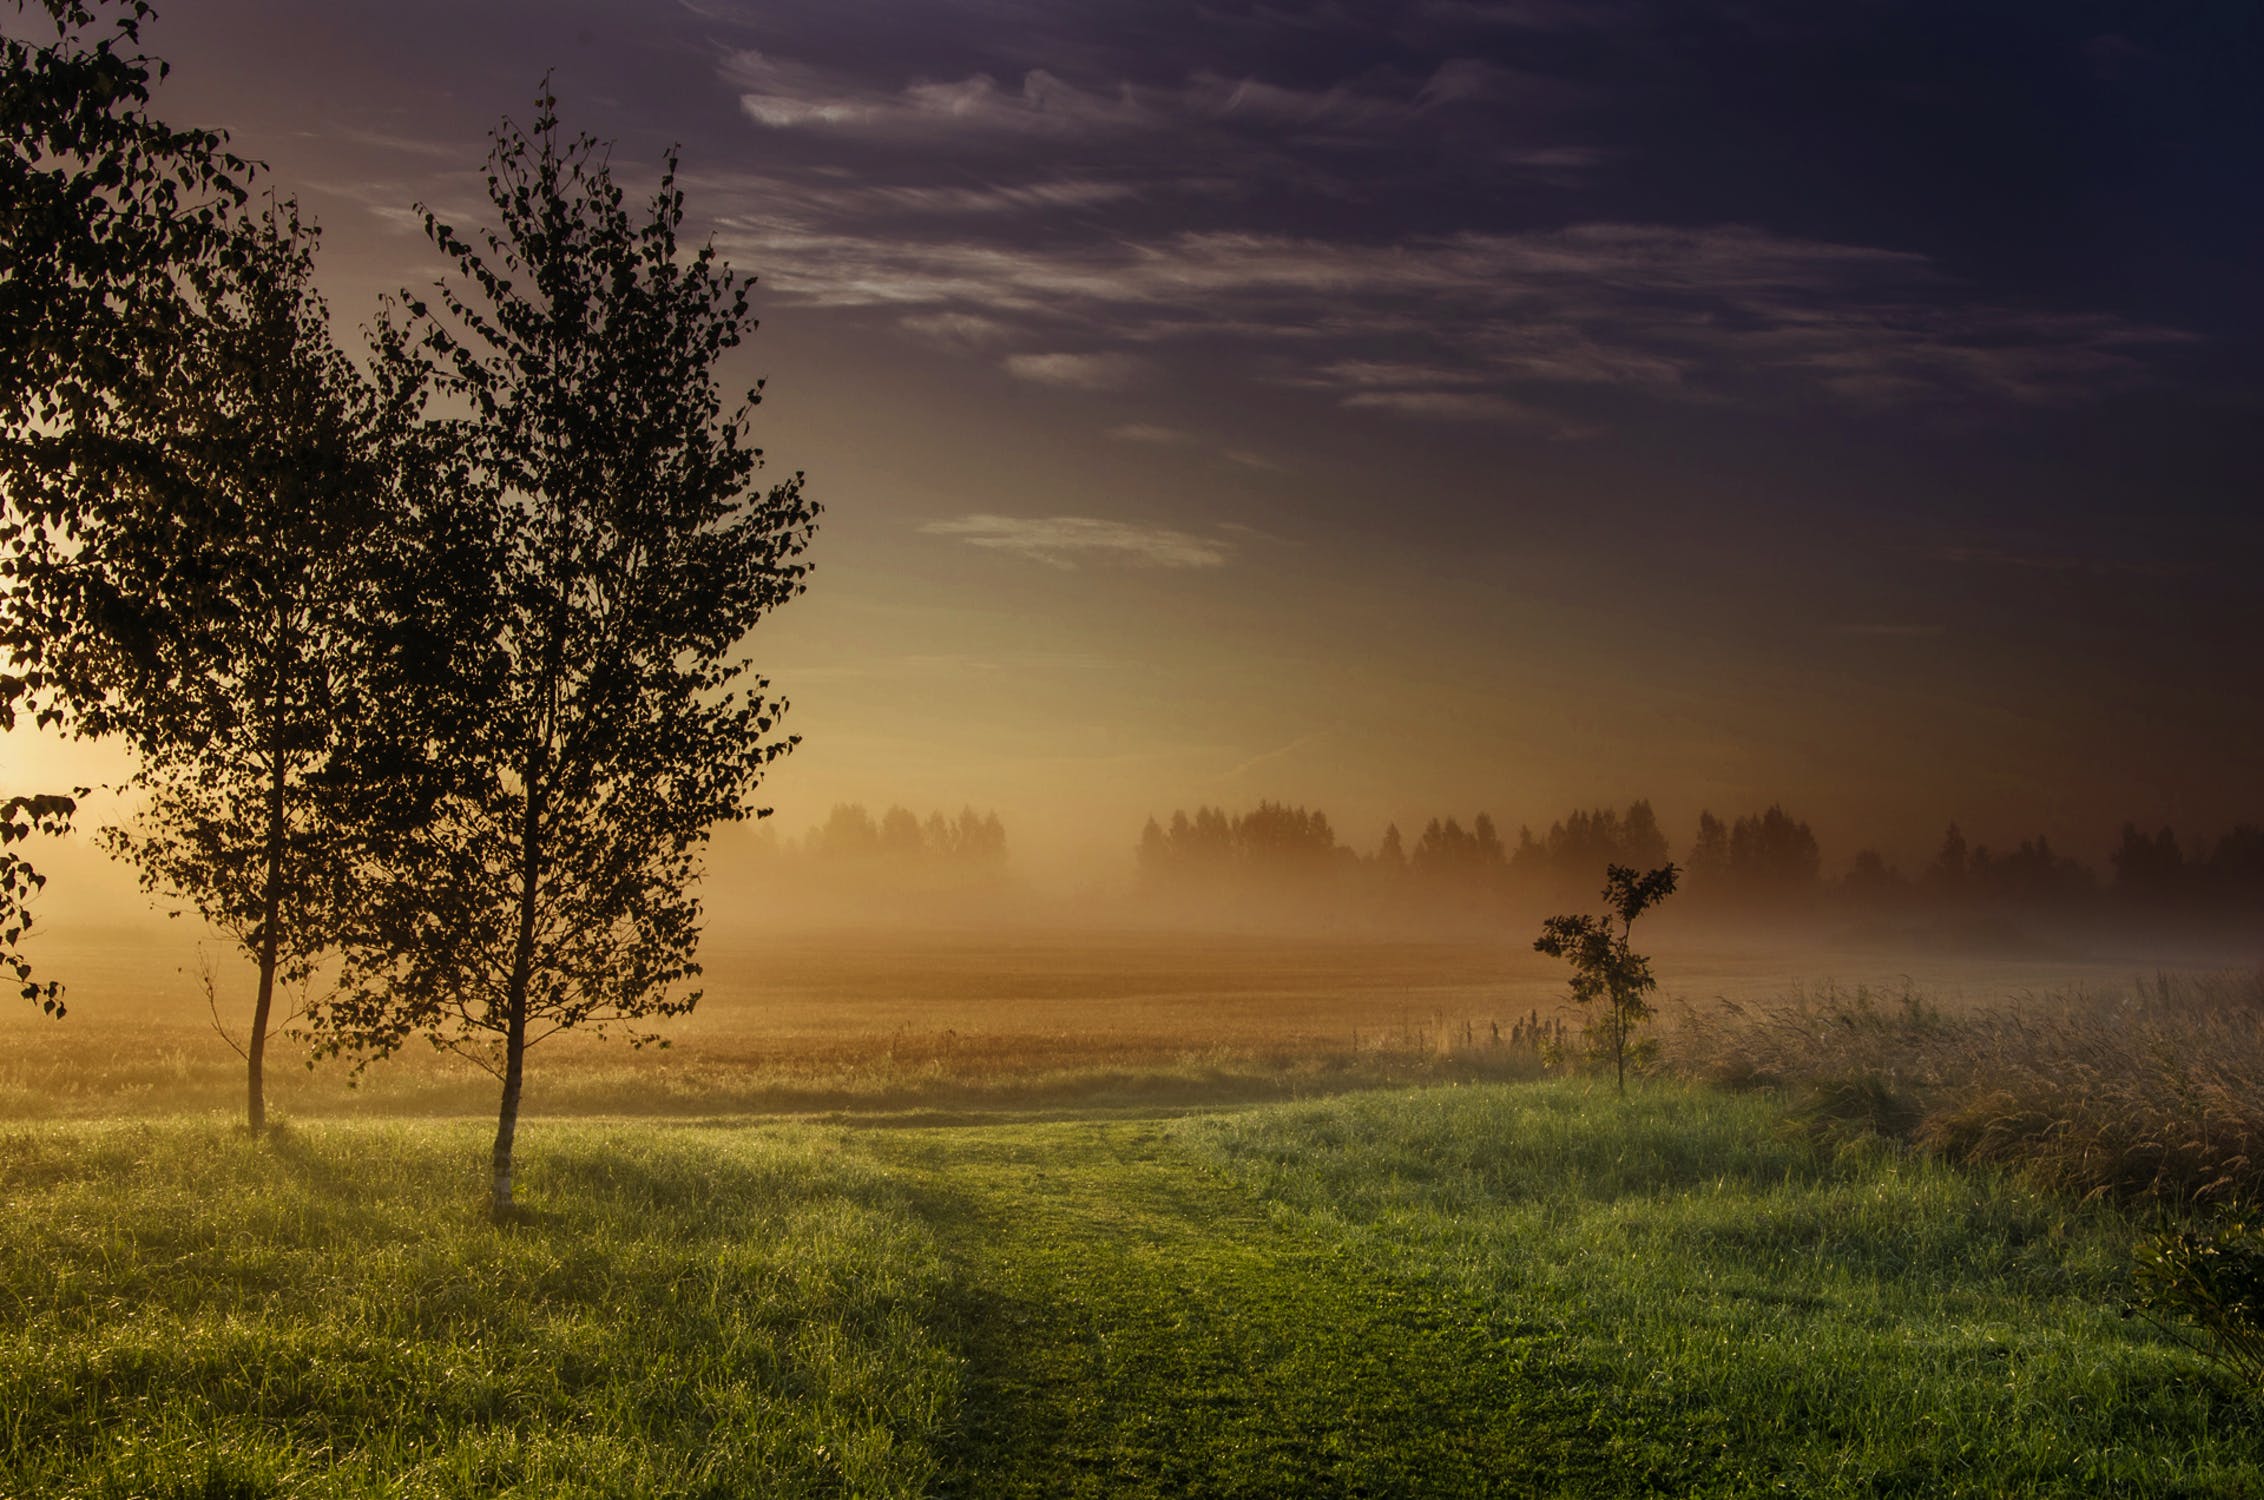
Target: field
(940, 1025)
(1095, 1217)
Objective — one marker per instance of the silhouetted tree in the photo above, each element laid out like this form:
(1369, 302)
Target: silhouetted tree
(1271, 843)
(1567, 857)
(1447, 852)
(1946, 876)
(1604, 967)
(1709, 855)
(1391, 854)
(2236, 864)
(1154, 853)
(2033, 875)
(250, 664)
(101, 207)
(1773, 858)
(900, 833)
(620, 726)
(978, 839)
(2149, 869)
(848, 832)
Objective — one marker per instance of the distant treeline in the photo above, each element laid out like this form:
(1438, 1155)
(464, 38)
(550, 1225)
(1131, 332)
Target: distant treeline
(1763, 863)
(850, 833)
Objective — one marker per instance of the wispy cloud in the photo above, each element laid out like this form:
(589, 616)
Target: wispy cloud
(1067, 541)
(1701, 314)
(1450, 406)
(783, 94)
(1470, 325)
(1079, 372)
(1149, 432)
(1243, 458)
(959, 330)
(1278, 753)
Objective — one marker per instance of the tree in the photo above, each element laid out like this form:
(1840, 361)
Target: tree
(1604, 967)
(101, 207)
(615, 723)
(1946, 876)
(247, 676)
(1774, 859)
(1709, 855)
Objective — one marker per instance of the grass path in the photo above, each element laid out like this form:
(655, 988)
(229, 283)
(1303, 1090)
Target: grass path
(1136, 1328)
(1537, 1291)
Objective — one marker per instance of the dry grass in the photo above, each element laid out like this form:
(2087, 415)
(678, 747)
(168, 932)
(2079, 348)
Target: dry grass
(861, 1025)
(878, 1022)
(2152, 1093)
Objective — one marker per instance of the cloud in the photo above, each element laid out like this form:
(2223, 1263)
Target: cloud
(1244, 458)
(780, 94)
(1149, 432)
(957, 330)
(784, 95)
(1368, 373)
(1065, 541)
(1077, 372)
(1718, 313)
(1450, 406)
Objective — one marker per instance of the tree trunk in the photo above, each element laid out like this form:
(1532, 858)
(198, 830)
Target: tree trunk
(507, 1122)
(270, 928)
(515, 1001)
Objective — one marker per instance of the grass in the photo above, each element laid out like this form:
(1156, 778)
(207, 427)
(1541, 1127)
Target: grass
(1711, 1305)
(1489, 1290)
(722, 1313)
(2150, 1093)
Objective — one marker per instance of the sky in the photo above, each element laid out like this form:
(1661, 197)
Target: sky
(1423, 408)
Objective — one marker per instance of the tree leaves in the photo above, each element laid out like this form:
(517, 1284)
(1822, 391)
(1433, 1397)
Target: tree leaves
(1604, 966)
(611, 554)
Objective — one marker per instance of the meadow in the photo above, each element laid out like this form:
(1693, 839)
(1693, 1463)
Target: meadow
(1501, 1289)
(948, 1024)
(1114, 1217)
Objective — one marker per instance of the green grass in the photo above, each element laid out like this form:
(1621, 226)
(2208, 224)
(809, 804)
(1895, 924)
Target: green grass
(723, 1313)
(1711, 1304)
(1508, 1290)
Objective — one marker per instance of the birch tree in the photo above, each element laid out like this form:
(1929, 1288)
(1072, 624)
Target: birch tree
(253, 578)
(616, 721)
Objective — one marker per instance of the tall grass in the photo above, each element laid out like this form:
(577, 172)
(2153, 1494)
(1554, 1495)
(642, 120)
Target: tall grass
(2153, 1094)
(186, 1313)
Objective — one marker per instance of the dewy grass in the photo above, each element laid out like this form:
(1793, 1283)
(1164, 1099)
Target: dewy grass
(717, 1313)
(1460, 1291)
(1707, 1304)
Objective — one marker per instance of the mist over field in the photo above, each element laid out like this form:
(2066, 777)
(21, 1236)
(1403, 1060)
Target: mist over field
(1273, 748)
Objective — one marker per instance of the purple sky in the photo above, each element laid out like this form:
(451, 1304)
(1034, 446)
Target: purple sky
(1419, 408)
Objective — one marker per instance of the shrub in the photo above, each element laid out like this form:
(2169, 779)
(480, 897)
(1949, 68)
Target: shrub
(2210, 1277)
